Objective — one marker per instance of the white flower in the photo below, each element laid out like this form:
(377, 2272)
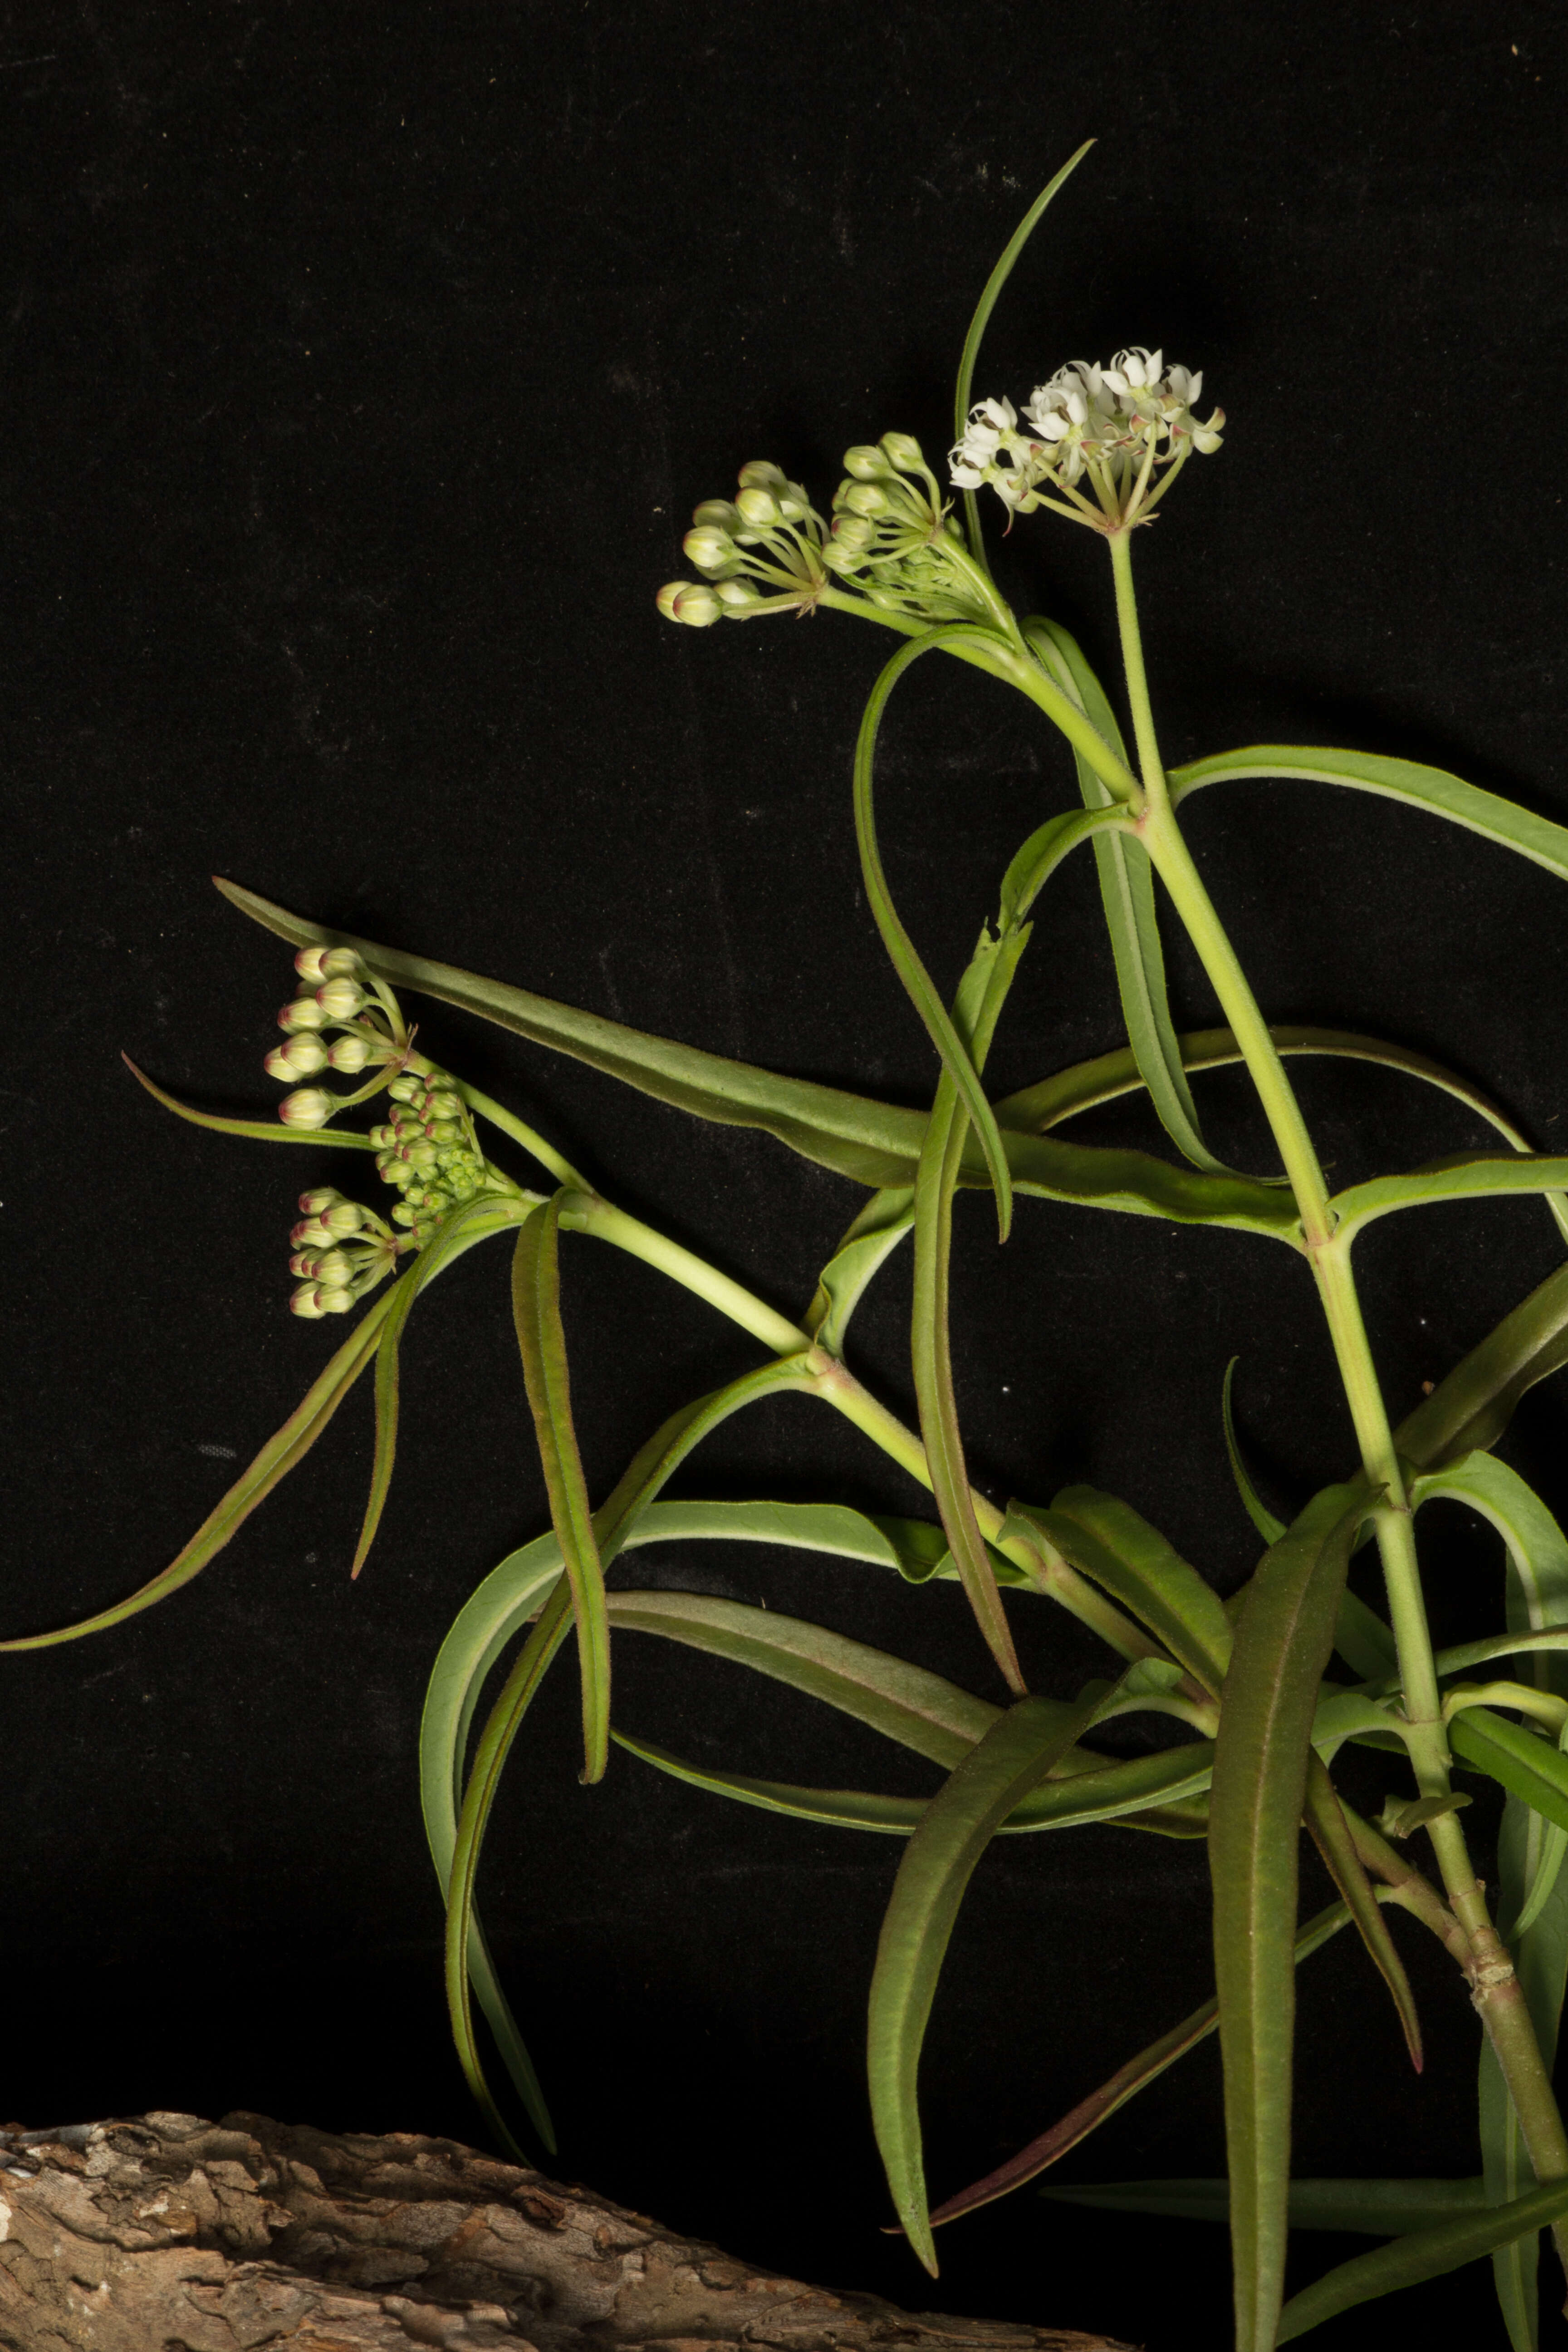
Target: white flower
(992, 424)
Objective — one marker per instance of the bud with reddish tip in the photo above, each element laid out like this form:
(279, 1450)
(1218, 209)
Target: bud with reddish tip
(304, 1014)
(345, 1217)
(341, 998)
(762, 474)
(760, 509)
(311, 1107)
(301, 1057)
(349, 1054)
(691, 602)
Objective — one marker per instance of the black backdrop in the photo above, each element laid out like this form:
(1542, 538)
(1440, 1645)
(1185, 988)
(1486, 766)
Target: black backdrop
(360, 368)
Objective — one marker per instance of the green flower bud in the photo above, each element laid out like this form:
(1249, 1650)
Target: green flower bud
(863, 499)
(905, 452)
(760, 509)
(342, 963)
(345, 1217)
(341, 998)
(708, 548)
(716, 514)
(853, 533)
(310, 1233)
(316, 1203)
(865, 463)
(737, 597)
(445, 1104)
(404, 1087)
(335, 1267)
(688, 601)
(301, 1057)
(311, 1107)
(349, 1054)
(302, 1014)
(308, 964)
(304, 1302)
(403, 1214)
(762, 475)
(445, 1130)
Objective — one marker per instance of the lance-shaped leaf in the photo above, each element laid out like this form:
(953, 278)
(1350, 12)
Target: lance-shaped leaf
(1139, 1185)
(495, 1746)
(1142, 1792)
(1527, 1766)
(487, 1213)
(1332, 1836)
(937, 1863)
(1425, 2254)
(542, 1338)
(1472, 1405)
(921, 990)
(1125, 2085)
(866, 1247)
(1127, 895)
(254, 1130)
(1373, 2209)
(963, 387)
(1046, 847)
(1108, 1541)
(979, 1002)
(1262, 1519)
(1432, 789)
(1283, 1641)
(1465, 1176)
(281, 1454)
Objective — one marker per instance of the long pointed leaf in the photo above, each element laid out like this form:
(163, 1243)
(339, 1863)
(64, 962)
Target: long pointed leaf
(281, 1454)
(1473, 1404)
(254, 1130)
(1332, 1836)
(1432, 789)
(918, 983)
(937, 1863)
(1267, 1526)
(542, 1338)
(1108, 1541)
(1125, 2085)
(1528, 1767)
(964, 387)
(1469, 1178)
(1425, 2253)
(1283, 1642)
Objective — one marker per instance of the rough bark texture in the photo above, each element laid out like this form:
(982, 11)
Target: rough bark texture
(165, 2233)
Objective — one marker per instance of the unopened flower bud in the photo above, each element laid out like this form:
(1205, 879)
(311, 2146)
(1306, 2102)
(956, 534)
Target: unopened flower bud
(336, 1267)
(863, 499)
(708, 548)
(311, 1107)
(905, 452)
(854, 532)
(317, 1203)
(301, 1057)
(691, 602)
(446, 1105)
(760, 509)
(342, 963)
(306, 1302)
(762, 474)
(344, 1217)
(867, 463)
(304, 1014)
(341, 998)
(445, 1130)
(404, 1087)
(310, 1233)
(737, 596)
(716, 514)
(403, 1214)
(349, 1054)
(333, 1299)
(308, 963)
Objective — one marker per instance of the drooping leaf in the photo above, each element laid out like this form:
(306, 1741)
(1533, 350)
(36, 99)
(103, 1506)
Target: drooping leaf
(1472, 1405)
(1375, 2209)
(964, 387)
(1125, 2085)
(1431, 789)
(281, 1454)
(866, 1247)
(1049, 844)
(1332, 1836)
(254, 1130)
(919, 986)
(1143, 1792)
(1267, 1526)
(1283, 1641)
(1108, 1541)
(1425, 2253)
(1127, 895)
(937, 1863)
(542, 1338)
(1463, 1177)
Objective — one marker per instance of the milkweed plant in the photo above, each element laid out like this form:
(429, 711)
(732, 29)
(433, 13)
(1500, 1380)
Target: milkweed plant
(1257, 1695)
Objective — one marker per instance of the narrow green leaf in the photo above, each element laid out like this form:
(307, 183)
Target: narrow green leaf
(1091, 1176)
(918, 983)
(1332, 1836)
(1125, 2085)
(965, 387)
(1362, 1640)
(1046, 847)
(1472, 1405)
(1148, 1792)
(1127, 893)
(542, 1338)
(495, 1746)
(1465, 1176)
(1377, 2208)
(1283, 1642)
(493, 1212)
(937, 1863)
(256, 1131)
(1109, 1542)
(281, 1454)
(1262, 1519)
(865, 1249)
(1527, 1766)
(1432, 789)
(1424, 2255)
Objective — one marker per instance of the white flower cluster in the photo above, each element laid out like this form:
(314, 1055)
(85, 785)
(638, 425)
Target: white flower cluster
(760, 552)
(1128, 427)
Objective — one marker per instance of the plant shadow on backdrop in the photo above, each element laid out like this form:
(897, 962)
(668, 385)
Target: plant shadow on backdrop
(1256, 1696)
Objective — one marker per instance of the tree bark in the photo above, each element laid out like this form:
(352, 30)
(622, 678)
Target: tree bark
(165, 2233)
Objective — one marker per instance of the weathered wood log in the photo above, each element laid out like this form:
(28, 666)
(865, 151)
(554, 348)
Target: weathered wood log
(165, 2233)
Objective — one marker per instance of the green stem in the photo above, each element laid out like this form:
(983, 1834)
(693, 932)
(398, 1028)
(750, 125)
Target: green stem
(584, 1213)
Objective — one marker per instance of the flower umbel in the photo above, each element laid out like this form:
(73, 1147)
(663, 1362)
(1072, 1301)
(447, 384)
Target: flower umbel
(760, 551)
(1125, 430)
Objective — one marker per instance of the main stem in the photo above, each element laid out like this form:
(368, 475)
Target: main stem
(1496, 1989)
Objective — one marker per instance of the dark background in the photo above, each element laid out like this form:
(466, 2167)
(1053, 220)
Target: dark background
(359, 369)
